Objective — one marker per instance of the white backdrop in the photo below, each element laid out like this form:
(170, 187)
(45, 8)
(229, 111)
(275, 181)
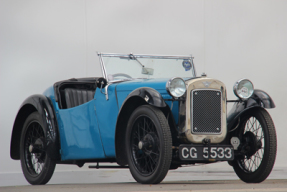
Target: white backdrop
(42, 42)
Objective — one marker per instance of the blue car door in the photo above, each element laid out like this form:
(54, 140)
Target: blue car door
(107, 110)
(79, 133)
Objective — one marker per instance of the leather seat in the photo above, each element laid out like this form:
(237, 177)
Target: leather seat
(76, 97)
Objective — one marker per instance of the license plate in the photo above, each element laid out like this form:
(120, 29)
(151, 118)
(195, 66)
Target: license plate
(203, 152)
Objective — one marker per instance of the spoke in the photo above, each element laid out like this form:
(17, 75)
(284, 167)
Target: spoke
(259, 128)
(247, 126)
(33, 132)
(150, 157)
(144, 126)
(153, 163)
(37, 134)
(146, 165)
(150, 125)
(147, 127)
(140, 158)
(139, 136)
(262, 152)
(249, 161)
(154, 153)
(252, 163)
(38, 167)
(34, 161)
(257, 156)
(256, 130)
(255, 126)
(145, 160)
(251, 123)
(259, 160)
(31, 135)
(262, 136)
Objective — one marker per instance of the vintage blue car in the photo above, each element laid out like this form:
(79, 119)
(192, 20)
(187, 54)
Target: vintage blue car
(148, 113)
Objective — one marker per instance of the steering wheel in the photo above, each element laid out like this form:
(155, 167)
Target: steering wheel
(121, 74)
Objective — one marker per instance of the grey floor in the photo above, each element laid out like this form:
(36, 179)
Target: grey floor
(104, 176)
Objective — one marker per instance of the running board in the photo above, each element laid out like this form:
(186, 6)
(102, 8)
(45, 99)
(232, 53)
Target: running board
(107, 167)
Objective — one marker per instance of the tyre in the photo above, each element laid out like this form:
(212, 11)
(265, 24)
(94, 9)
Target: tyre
(149, 145)
(37, 167)
(258, 147)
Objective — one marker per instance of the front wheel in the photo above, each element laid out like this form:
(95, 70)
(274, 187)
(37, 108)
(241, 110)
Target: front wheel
(37, 166)
(149, 145)
(258, 147)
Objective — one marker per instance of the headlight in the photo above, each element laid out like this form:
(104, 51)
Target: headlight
(243, 88)
(176, 87)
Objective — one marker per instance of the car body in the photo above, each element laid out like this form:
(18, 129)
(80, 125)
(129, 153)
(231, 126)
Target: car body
(150, 113)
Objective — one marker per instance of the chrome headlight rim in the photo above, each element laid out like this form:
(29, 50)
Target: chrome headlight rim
(168, 87)
(236, 89)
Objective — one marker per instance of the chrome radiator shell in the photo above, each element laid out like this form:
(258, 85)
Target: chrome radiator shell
(201, 84)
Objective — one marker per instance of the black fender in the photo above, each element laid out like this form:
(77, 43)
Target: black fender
(150, 95)
(138, 97)
(44, 107)
(258, 99)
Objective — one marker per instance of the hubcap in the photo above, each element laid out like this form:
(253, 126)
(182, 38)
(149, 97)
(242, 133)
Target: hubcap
(141, 145)
(37, 147)
(251, 143)
(148, 143)
(31, 148)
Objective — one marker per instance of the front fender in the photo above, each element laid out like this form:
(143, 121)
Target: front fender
(136, 98)
(150, 95)
(43, 106)
(258, 99)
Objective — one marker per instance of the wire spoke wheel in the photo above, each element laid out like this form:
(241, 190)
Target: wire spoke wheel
(37, 167)
(145, 145)
(258, 147)
(34, 159)
(251, 163)
(149, 145)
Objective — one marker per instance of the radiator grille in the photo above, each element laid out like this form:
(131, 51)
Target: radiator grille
(206, 111)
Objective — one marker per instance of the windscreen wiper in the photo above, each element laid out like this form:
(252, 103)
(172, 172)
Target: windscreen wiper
(145, 71)
(134, 58)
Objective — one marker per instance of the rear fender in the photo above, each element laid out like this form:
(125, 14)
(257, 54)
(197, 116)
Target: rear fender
(43, 106)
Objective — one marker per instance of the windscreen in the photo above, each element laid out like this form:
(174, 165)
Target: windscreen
(126, 67)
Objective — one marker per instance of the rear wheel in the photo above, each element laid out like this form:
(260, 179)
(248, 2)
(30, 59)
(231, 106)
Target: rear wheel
(149, 146)
(258, 147)
(37, 167)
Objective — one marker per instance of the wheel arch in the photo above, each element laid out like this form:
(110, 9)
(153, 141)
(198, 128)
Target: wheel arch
(44, 107)
(139, 97)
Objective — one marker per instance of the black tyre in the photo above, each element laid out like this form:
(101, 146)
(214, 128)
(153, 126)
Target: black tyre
(37, 167)
(258, 147)
(149, 145)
